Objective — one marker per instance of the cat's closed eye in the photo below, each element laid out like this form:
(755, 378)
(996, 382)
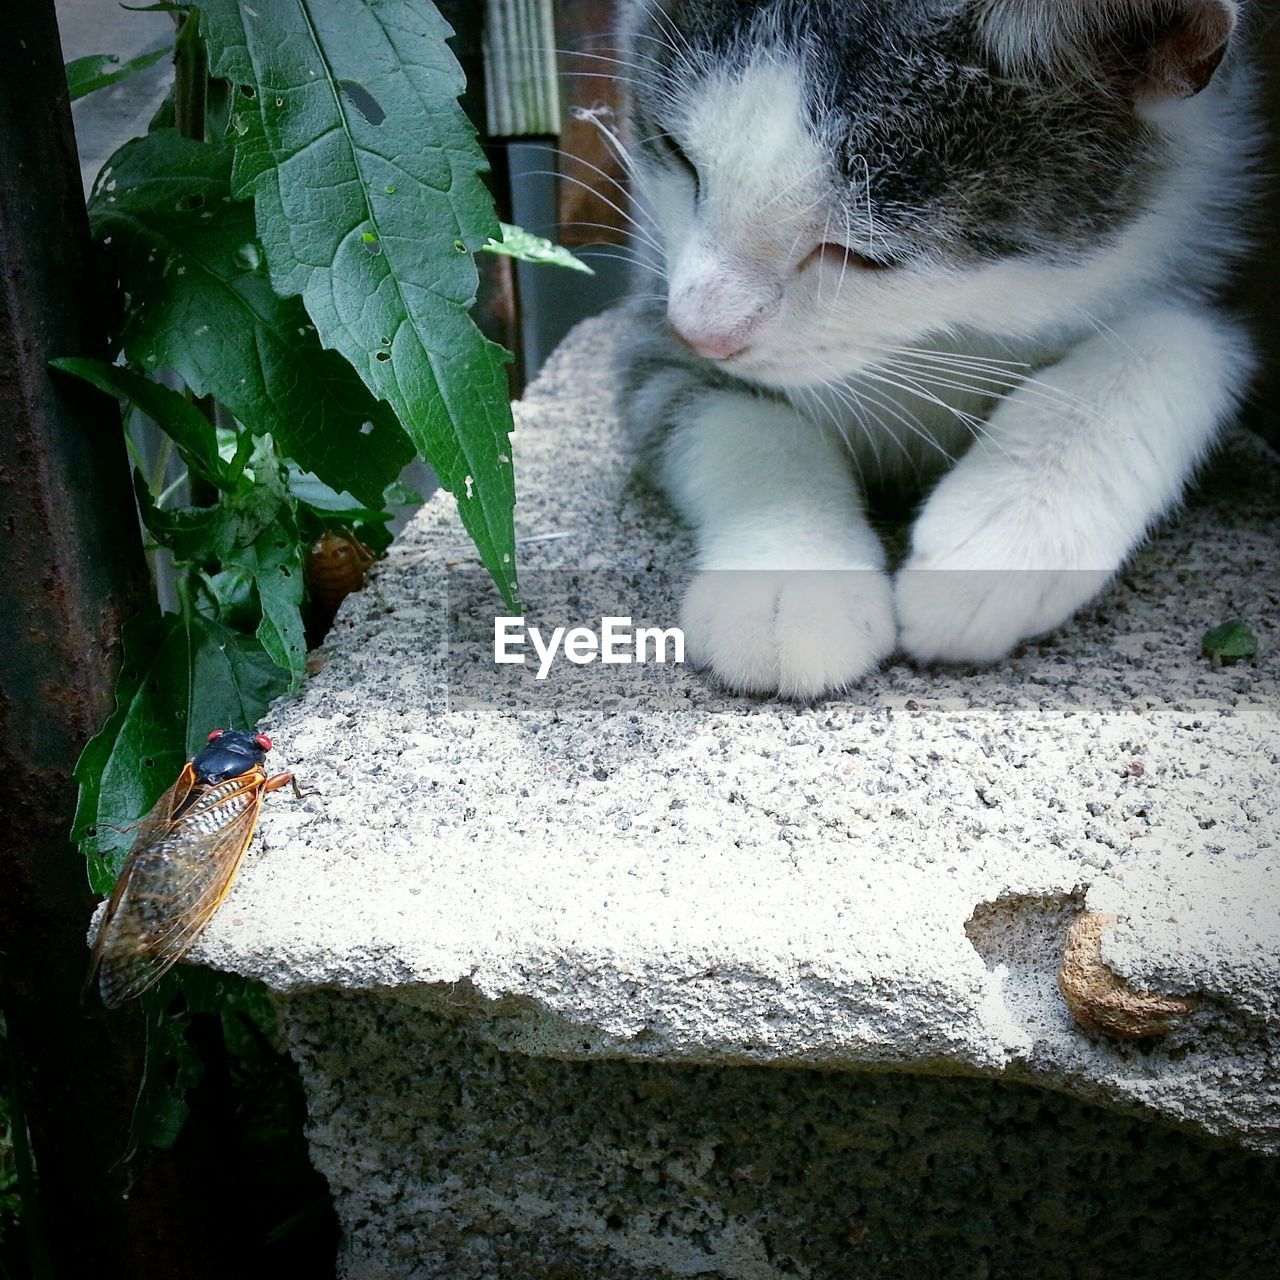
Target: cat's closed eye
(842, 257)
(674, 153)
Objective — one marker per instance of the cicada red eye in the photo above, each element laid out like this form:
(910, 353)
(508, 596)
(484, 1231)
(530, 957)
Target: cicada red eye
(217, 733)
(263, 741)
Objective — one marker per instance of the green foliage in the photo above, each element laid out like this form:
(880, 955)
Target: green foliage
(180, 420)
(252, 529)
(184, 674)
(86, 75)
(200, 303)
(516, 242)
(1230, 643)
(294, 246)
(365, 177)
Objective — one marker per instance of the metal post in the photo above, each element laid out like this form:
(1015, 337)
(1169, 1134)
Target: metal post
(72, 570)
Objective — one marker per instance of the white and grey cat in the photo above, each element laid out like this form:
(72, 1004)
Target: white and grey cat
(964, 241)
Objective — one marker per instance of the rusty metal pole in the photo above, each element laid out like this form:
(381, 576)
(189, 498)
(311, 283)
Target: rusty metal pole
(72, 569)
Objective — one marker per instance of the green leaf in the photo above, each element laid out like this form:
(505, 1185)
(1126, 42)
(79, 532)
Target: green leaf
(229, 597)
(274, 560)
(182, 677)
(85, 75)
(365, 175)
(172, 412)
(199, 304)
(340, 508)
(1230, 642)
(516, 242)
(254, 530)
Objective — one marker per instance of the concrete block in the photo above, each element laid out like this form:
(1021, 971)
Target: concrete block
(622, 949)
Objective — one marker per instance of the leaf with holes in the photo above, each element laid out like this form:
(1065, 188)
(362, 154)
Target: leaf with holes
(182, 676)
(98, 70)
(365, 176)
(516, 242)
(201, 304)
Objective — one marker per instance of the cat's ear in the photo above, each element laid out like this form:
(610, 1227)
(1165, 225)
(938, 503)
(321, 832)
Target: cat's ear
(1155, 48)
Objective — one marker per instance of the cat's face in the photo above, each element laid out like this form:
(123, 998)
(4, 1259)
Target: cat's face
(831, 179)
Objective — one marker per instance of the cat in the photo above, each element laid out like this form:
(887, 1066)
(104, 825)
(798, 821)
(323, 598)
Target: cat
(972, 244)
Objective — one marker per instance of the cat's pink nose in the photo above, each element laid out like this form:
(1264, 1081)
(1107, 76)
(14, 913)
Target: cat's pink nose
(711, 346)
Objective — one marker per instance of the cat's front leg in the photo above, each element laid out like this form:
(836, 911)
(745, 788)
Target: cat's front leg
(1075, 468)
(791, 596)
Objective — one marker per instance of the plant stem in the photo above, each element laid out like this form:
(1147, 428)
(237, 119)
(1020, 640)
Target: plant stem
(244, 448)
(190, 109)
(160, 468)
(191, 79)
(166, 494)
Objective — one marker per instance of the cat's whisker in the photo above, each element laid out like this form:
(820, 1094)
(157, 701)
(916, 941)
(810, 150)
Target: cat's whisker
(880, 404)
(789, 188)
(621, 257)
(647, 67)
(997, 392)
(640, 231)
(623, 191)
(976, 427)
(903, 384)
(871, 219)
(898, 412)
(1011, 373)
(596, 117)
(687, 55)
(859, 415)
(844, 265)
(826, 236)
(842, 387)
(641, 255)
(1105, 331)
(811, 396)
(598, 75)
(866, 419)
(1009, 384)
(959, 357)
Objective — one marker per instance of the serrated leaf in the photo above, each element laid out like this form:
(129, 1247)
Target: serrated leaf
(516, 242)
(252, 529)
(97, 70)
(176, 416)
(365, 178)
(336, 507)
(181, 677)
(201, 305)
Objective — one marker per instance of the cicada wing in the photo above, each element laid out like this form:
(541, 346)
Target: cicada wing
(150, 830)
(172, 885)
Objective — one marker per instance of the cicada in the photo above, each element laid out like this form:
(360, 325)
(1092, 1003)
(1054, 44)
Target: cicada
(336, 566)
(182, 863)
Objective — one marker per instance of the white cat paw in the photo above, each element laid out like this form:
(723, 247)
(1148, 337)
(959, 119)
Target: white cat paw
(979, 615)
(800, 634)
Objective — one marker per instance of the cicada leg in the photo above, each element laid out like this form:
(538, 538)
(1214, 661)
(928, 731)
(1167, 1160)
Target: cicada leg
(282, 780)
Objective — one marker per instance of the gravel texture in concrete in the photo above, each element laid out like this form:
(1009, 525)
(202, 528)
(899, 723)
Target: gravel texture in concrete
(450, 1159)
(623, 863)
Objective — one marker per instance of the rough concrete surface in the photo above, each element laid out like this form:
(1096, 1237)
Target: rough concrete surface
(453, 1160)
(599, 867)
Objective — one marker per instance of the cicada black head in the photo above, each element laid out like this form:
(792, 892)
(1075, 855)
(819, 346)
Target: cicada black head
(230, 753)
